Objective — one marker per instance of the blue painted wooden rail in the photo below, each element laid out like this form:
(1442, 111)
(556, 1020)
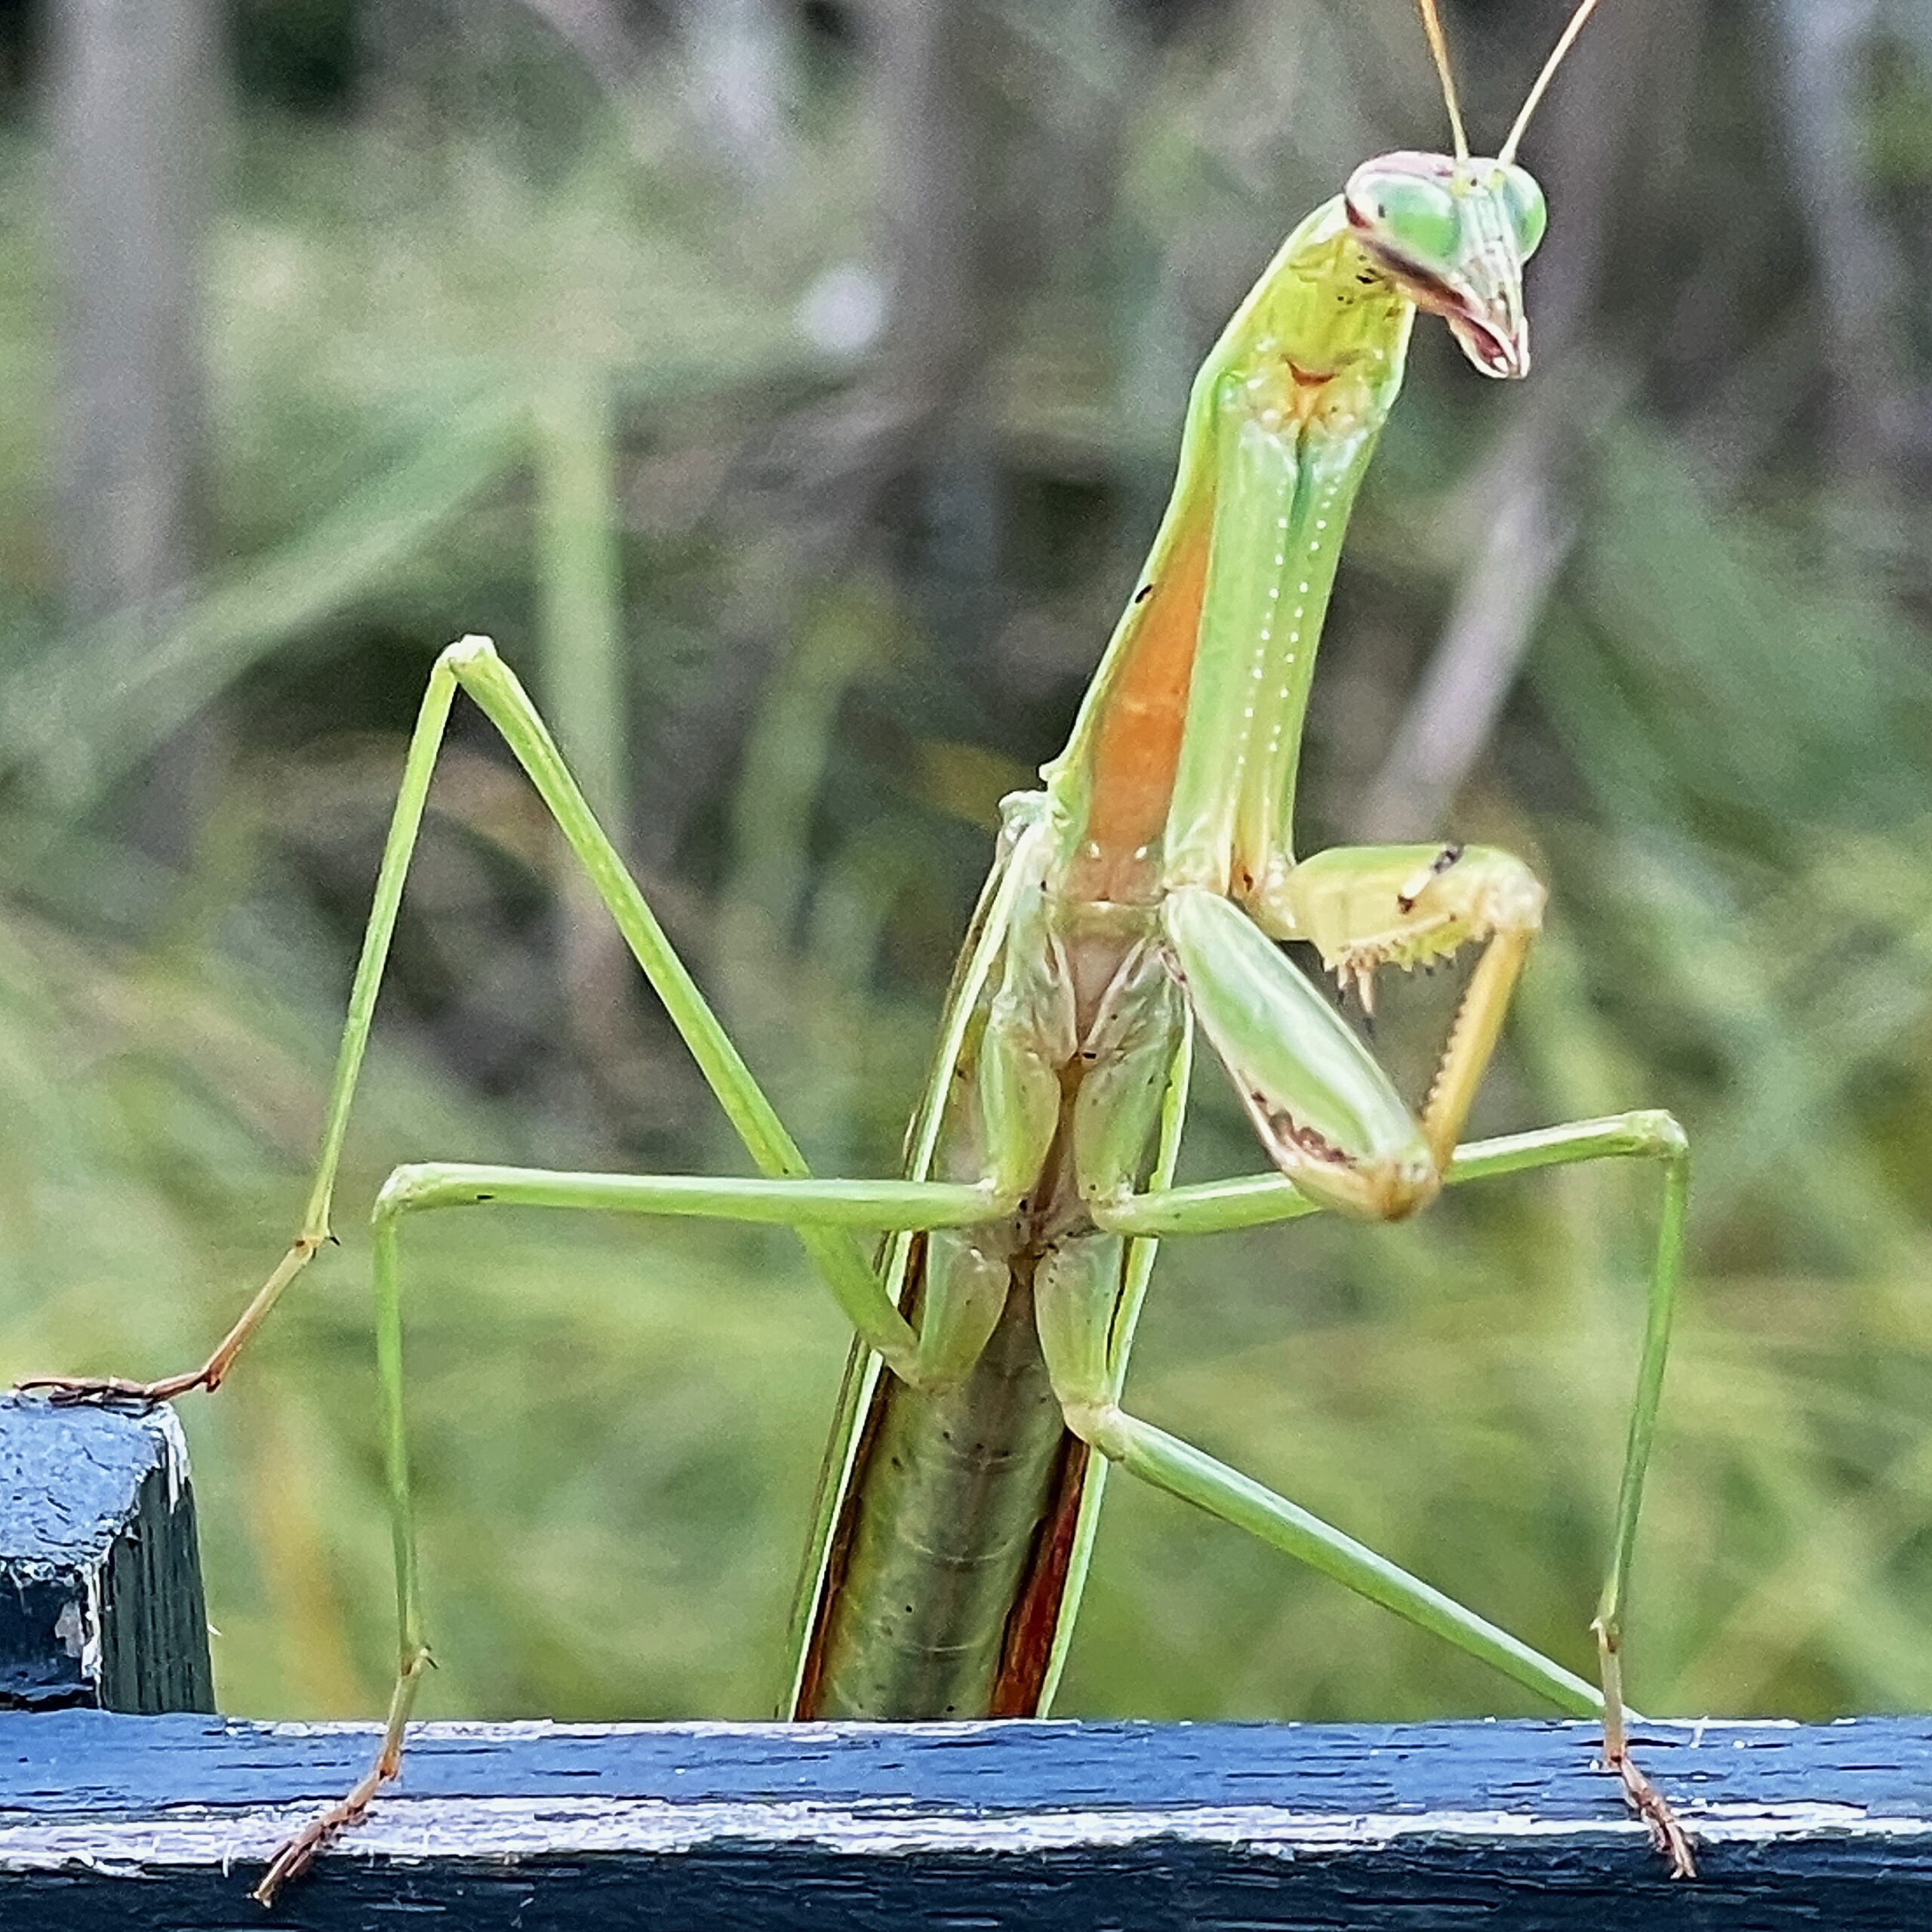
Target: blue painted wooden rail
(124, 1822)
(139, 1823)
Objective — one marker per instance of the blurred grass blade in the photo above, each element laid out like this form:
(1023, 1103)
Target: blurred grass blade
(85, 710)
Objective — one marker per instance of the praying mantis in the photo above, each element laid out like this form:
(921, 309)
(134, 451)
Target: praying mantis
(1141, 896)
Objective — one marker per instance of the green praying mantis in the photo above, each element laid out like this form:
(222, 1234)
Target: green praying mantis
(1143, 893)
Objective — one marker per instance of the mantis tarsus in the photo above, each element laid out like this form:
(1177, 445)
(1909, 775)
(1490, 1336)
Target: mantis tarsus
(1143, 891)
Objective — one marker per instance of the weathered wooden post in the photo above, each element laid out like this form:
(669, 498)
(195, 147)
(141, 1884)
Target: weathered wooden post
(100, 1572)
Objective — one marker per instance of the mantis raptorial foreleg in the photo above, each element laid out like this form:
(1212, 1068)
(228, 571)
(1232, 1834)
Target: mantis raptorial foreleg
(1365, 907)
(1321, 1105)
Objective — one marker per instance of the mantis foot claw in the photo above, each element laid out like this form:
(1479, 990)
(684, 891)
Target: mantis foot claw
(112, 1391)
(293, 1856)
(1667, 1833)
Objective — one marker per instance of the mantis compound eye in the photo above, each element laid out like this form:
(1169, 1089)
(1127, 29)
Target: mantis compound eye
(1407, 216)
(1529, 214)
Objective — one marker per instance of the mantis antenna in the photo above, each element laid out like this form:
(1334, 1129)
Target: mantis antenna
(1583, 12)
(1431, 25)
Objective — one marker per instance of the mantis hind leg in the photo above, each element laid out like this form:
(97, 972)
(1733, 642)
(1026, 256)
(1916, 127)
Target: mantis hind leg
(473, 665)
(1075, 1313)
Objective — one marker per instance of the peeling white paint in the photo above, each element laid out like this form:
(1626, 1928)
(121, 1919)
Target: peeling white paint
(92, 1577)
(505, 1829)
(786, 1734)
(70, 1629)
(167, 1425)
(1449, 1734)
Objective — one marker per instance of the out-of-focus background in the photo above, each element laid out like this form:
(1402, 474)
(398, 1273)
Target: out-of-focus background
(791, 386)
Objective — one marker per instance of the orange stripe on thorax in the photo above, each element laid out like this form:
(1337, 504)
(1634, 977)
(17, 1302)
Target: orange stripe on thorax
(1137, 744)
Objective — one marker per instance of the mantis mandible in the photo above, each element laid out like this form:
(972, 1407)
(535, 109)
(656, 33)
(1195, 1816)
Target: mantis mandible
(1142, 894)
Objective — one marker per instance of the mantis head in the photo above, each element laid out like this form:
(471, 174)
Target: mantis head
(1452, 234)
(1454, 231)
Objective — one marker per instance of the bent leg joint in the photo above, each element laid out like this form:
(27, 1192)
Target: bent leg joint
(1101, 1425)
(1659, 1136)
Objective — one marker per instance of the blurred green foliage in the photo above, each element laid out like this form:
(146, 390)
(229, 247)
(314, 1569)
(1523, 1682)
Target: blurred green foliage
(886, 383)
